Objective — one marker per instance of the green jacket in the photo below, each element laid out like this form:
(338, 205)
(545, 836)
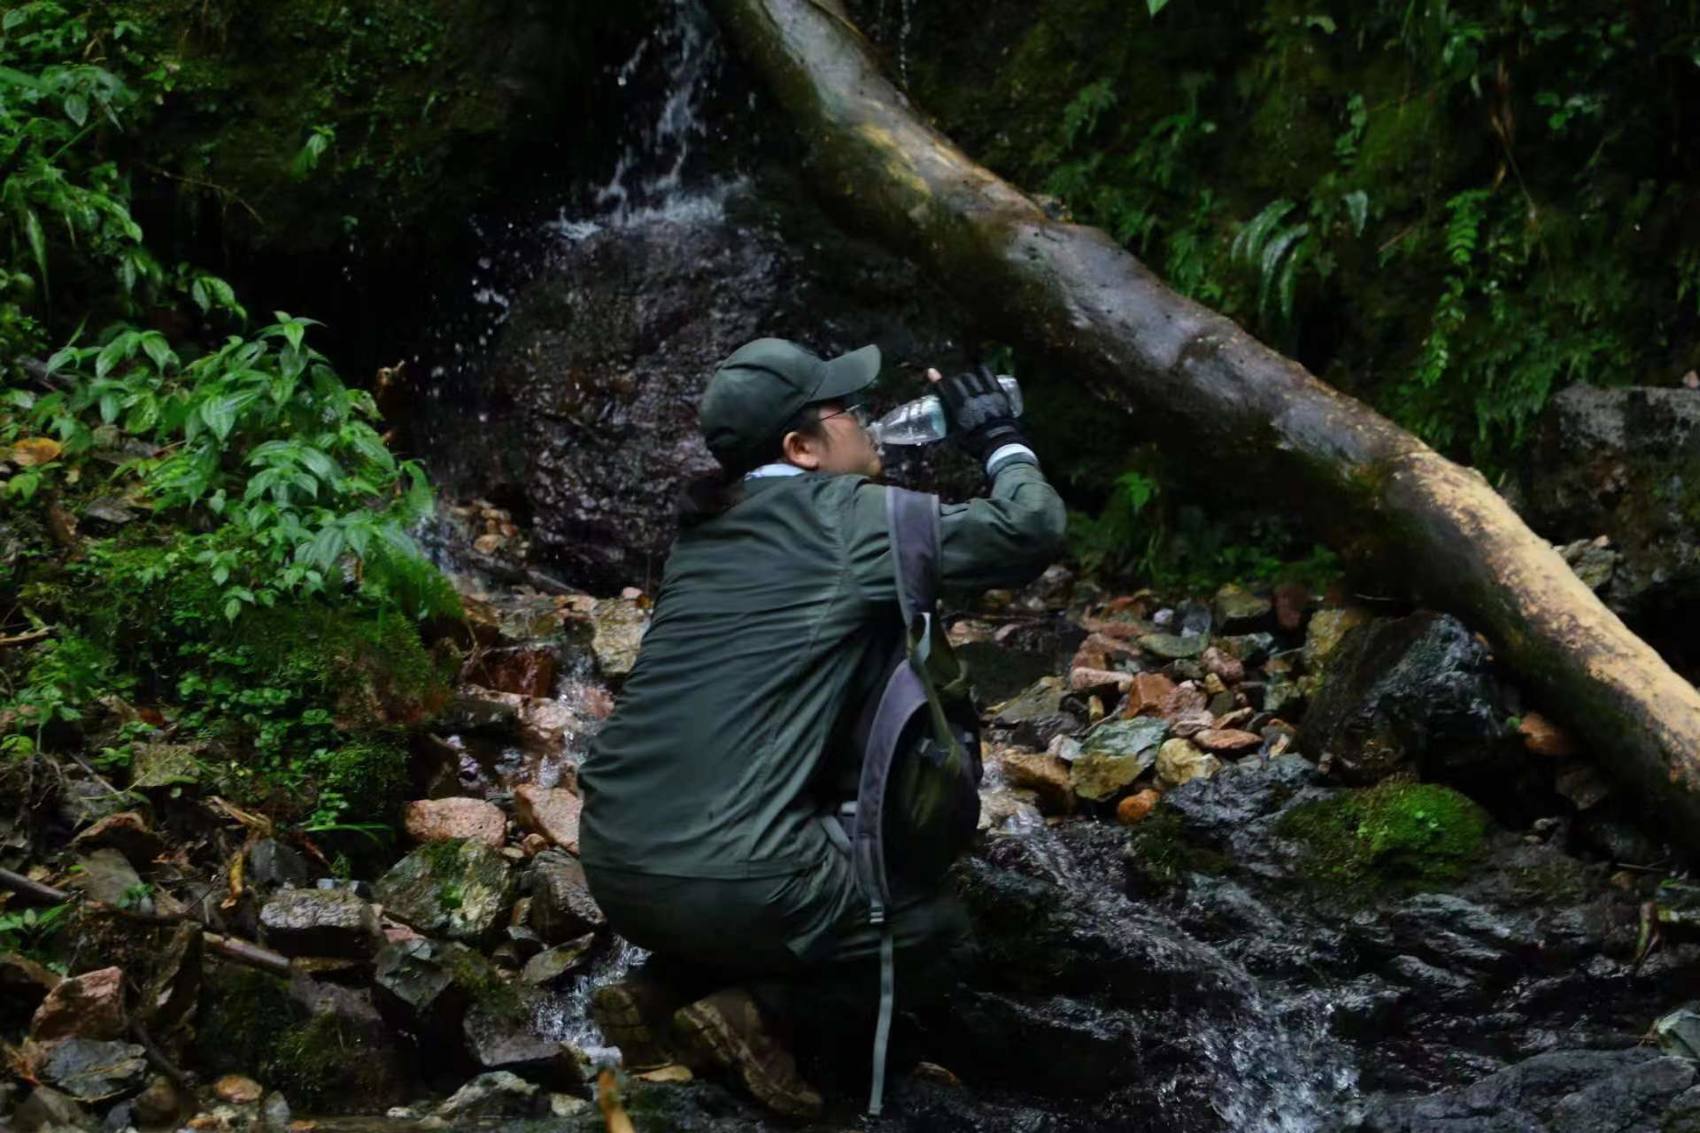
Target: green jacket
(772, 621)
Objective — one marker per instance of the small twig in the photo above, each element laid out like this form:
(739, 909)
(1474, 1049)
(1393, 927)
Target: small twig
(157, 1056)
(31, 637)
(24, 887)
(230, 947)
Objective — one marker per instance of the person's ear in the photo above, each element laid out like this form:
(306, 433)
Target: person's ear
(799, 451)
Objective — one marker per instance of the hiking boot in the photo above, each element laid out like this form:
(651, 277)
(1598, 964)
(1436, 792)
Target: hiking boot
(632, 1015)
(726, 1030)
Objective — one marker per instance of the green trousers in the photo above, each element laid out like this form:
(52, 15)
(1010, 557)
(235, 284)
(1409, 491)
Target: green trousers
(800, 940)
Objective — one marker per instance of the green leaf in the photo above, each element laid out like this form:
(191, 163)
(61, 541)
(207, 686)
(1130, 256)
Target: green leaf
(1156, 6)
(1357, 205)
(37, 240)
(77, 108)
(159, 350)
(219, 415)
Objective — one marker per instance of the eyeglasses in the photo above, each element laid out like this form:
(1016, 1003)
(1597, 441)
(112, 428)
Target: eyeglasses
(862, 415)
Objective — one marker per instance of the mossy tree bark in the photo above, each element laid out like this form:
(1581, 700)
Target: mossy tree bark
(1202, 386)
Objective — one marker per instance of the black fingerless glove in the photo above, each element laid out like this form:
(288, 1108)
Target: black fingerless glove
(980, 415)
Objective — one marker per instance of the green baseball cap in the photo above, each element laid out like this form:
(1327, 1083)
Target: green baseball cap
(756, 391)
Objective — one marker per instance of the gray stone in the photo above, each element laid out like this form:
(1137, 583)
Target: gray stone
(561, 905)
(497, 1093)
(1174, 646)
(271, 864)
(107, 875)
(1038, 714)
(320, 922)
(47, 1109)
(459, 891)
(551, 964)
(503, 1036)
(1238, 610)
(93, 1071)
(424, 986)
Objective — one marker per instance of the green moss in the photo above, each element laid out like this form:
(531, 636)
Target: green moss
(1394, 832)
(326, 1064)
(243, 1014)
(1160, 855)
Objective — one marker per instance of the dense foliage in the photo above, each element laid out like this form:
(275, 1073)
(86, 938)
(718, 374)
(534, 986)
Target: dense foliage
(1450, 208)
(205, 536)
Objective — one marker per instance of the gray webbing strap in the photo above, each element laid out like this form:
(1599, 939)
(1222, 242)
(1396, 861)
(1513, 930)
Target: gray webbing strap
(882, 1029)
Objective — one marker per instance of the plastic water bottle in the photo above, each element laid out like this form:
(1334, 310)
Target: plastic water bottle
(922, 421)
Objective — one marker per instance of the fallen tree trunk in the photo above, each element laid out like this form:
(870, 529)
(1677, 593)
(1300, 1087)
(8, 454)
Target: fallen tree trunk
(1202, 385)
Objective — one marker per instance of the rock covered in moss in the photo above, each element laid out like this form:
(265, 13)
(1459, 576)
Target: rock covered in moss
(1390, 832)
(460, 890)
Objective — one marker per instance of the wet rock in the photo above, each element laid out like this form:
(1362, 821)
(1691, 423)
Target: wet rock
(503, 1036)
(90, 1006)
(1113, 755)
(1415, 692)
(128, 833)
(1174, 647)
(159, 1104)
(552, 963)
(1328, 628)
(272, 864)
(495, 1094)
(561, 905)
(24, 984)
(455, 819)
(1008, 808)
(1179, 761)
(47, 1110)
(550, 811)
(91, 1071)
(1227, 741)
(619, 626)
(1045, 775)
(527, 670)
(1137, 807)
(342, 1057)
(1149, 694)
(1565, 1090)
(1238, 610)
(106, 875)
(460, 890)
(238, 1090)
(1542, 737)
(424, 986)
(1099, 680)
(320, 922)
(275, 1114)
(1594, 560)
(1038, 714)
(1678, 1032)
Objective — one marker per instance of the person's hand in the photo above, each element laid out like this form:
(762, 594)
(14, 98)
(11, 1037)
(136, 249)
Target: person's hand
(979, 412)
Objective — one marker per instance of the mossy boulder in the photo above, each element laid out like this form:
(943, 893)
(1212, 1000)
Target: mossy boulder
(1395, 832)
(456, 889)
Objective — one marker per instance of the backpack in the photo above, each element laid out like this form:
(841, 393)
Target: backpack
(920, 741)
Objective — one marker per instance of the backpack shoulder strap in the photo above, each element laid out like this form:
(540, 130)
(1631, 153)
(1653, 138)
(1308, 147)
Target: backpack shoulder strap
(912, 521)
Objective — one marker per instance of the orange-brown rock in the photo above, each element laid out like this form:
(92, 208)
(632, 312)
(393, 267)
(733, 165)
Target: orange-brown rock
(1137, 806)
(1542, 737)
(1227, 740)
(89, 1006)
(456, 819)
(1149, 695)
(1045, 775)
(549, 811)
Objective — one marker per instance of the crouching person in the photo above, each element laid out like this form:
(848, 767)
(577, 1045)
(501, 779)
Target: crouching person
(793, 762)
